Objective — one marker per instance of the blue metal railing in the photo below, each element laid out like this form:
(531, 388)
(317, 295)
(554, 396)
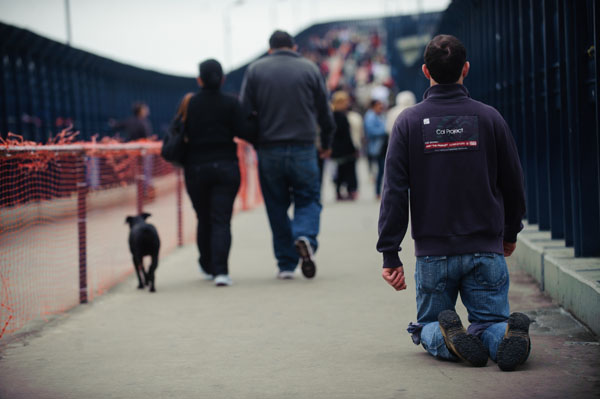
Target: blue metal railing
(46, 85)
(536, 62)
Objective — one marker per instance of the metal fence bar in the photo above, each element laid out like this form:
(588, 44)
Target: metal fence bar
(82, 190)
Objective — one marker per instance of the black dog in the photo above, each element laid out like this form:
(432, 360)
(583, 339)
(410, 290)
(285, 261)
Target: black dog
(143, 241)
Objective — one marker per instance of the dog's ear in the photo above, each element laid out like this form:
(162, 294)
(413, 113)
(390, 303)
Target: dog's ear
(145, 215)
(128, 219)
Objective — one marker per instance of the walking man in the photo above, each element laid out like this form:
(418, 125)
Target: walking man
(287, 94)
(457, 160)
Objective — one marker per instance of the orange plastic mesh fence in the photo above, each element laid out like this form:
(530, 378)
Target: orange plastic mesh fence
(63, 237)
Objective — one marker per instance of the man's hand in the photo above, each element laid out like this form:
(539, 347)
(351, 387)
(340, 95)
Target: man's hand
(395, 277)
(509, 247)
(324, 154)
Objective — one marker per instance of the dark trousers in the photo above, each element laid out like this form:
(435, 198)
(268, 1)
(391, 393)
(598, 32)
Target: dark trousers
(379, 179)
(346, 176)
(212, 187)
(321, 163)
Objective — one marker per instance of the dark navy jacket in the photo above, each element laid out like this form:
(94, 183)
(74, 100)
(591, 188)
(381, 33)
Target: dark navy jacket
(457, 161)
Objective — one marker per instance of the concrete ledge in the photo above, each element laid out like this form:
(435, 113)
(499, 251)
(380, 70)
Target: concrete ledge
(573, 282)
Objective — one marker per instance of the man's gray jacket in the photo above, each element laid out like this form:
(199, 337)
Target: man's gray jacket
(288, 94)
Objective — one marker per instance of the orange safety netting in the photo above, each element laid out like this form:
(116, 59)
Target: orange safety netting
(63, 237)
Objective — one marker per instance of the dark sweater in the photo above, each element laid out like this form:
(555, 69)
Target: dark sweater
(289, 96)
(458, 161)
(134, 128)
(213, 120)
(342, 145)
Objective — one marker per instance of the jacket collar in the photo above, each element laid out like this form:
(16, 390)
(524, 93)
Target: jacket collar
(285, 52)
(446, 92)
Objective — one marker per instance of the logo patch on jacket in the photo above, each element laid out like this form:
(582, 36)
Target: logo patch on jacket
(450, 133)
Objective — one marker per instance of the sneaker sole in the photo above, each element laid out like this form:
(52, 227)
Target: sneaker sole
(467, 347)
(308, 267)
(514, 348)
(290, 277)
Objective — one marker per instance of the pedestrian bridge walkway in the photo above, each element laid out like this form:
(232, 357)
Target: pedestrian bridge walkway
(341, 335)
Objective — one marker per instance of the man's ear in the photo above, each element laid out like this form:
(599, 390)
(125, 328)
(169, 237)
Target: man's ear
(145, 215)
(425, 71)
(465, 70)
(270, 51)
(200, 82)
(128, 219)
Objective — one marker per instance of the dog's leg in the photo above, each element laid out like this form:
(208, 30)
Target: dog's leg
(138, 266)
(151, 270)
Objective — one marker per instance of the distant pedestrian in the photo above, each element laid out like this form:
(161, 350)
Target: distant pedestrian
(357, 128)
(212, 174)
(343, 152)
(404, 99)
(377, 140)
(457, 161)
(287, 92)
(137, 126)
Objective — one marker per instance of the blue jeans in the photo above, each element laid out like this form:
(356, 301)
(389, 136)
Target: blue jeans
(290, 174)
(482, 280)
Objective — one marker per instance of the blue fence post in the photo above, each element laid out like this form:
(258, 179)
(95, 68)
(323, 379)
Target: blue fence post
(541, 113)
(563, 96)
(553, 112)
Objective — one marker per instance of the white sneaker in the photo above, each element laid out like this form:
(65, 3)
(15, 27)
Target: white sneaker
(285, 275)
(206, 276)
(223, 280)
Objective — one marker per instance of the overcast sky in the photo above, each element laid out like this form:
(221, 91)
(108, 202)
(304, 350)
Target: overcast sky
(173, 36)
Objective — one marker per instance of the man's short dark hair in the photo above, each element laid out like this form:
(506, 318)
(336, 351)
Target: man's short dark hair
(445, 57)
(281, 39)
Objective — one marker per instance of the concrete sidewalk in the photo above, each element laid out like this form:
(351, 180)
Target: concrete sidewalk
(341, 335)
(574, 283)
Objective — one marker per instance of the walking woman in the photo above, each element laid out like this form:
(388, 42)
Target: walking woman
(343, 152)
(212, 174)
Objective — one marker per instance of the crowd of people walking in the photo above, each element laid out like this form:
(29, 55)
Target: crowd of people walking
(286, 111)
(447, 147)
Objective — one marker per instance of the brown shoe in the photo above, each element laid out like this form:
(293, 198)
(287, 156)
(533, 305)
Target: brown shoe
(516, 345)
(465, 346)
(308, 266)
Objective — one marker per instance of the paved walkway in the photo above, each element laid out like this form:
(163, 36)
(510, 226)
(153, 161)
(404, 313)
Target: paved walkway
(340, 335)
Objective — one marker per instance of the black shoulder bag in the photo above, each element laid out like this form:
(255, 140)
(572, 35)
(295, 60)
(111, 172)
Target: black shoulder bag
(175, 143)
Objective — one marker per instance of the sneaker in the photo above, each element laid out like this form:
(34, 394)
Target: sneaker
(285, 275)
(516, 345)
(223, 280)
(206, 276)
(308, 267)
(467, 347)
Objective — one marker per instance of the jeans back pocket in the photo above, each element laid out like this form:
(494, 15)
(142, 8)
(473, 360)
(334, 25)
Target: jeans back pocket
(490, 269)
(432, 273)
